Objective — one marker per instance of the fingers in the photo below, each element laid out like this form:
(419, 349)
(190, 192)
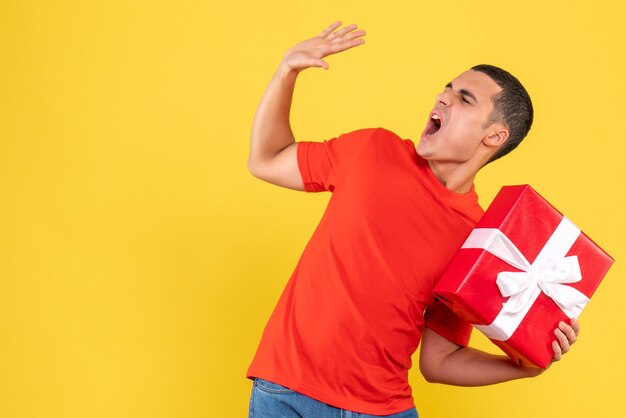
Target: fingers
(569, 332)
(348, 41)
(345, 40)
(341, 34)
(331, 28)
(566, 336)
(576, 326)
(562, 340)
(356, 34)
(320, 63)
(328, 42)
(557, 351)
(334, 48)
(343, 31)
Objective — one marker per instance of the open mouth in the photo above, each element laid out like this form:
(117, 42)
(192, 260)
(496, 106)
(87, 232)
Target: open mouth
(433, 126)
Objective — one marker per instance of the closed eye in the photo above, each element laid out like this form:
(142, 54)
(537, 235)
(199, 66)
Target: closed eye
(464, 99)
(464, 93)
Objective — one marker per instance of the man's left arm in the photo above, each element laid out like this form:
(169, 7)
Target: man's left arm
(443, 361)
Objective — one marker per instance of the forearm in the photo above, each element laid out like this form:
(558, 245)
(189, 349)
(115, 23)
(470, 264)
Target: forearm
(271, 131)
(470, 367)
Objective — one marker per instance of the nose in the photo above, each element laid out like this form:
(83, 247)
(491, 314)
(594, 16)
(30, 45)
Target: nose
(443, 98)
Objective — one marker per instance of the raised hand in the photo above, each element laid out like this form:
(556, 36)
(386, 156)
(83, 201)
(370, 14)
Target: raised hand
(309, 53)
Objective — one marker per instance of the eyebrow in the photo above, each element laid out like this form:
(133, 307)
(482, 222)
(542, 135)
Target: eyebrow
(464, 92)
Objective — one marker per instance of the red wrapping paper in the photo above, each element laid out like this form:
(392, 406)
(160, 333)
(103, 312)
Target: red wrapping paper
(468, 285)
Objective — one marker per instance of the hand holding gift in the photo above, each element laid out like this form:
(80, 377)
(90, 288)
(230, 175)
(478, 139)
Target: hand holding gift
(524, 269)
(566, 335)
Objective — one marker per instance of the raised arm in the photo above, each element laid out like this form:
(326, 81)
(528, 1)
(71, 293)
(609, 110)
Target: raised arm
(273, 147)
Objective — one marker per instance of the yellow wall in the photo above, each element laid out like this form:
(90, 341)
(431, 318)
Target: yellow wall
(139, 260)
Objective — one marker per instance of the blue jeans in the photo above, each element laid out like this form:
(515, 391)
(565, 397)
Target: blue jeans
(271, 400)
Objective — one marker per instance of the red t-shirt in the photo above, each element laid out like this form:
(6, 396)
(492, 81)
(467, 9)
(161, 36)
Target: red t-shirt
(352, 313)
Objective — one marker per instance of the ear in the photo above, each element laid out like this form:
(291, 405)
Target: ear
(496, 137)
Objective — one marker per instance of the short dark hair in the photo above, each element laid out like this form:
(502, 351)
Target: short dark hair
(512, 107)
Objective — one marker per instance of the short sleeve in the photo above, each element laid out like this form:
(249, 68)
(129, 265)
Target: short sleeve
(324, 165)
(441, 319)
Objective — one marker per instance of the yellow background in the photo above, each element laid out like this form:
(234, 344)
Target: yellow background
(140, 260)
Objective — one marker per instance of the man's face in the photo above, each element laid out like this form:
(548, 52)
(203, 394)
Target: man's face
(463, 107)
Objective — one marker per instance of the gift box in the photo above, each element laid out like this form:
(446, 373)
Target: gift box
(523, 268)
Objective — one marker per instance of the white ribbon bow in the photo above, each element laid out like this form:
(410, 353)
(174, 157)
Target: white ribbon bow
(546, 274)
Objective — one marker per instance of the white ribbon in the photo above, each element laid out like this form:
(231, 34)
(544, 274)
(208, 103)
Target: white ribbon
(546, 274)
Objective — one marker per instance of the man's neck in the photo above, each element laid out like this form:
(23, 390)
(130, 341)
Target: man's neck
(456, 177)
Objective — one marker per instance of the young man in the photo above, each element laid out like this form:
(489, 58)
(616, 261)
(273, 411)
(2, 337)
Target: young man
(359, 302)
